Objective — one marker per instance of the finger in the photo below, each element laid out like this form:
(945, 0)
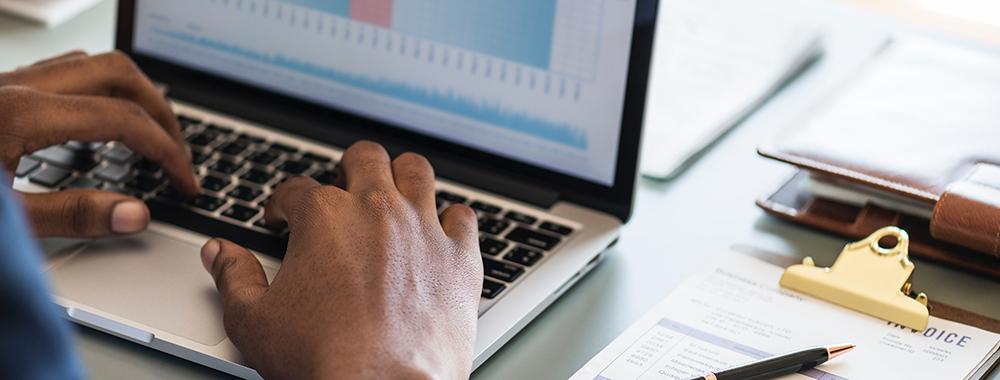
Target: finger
(460, 224)
(75, 54)
(287, 199)
(365, 166)
(111, 74)
(51, 119)
(85, 214)
(414, 177)
(239, 278)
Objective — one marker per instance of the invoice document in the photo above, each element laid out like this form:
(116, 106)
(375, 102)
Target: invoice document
(736, 313)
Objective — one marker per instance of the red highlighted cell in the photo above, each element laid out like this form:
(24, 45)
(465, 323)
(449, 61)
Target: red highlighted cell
(377, 12)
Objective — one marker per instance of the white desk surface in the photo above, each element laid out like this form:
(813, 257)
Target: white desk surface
(677, 227)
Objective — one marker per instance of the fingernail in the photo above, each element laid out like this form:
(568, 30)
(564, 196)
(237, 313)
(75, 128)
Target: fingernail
(208, 253)
(129, 217)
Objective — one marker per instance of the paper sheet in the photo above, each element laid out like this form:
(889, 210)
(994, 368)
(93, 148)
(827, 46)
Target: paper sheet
(713, 62)
(736, 313)
(48, 12)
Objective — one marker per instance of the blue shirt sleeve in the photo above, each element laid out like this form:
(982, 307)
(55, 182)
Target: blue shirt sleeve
(35, 340)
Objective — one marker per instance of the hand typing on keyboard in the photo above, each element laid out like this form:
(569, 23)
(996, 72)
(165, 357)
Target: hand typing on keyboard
(88, 99)
(374, 283)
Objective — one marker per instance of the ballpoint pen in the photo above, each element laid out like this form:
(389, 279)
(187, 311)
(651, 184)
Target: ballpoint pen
(780, 365)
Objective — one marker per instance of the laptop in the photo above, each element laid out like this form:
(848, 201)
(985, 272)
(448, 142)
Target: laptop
(529, 110)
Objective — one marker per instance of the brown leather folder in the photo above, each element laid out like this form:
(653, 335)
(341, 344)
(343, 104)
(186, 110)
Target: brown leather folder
(922, 124)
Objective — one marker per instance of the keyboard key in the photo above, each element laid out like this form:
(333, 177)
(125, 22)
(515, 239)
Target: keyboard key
(144, 183)
(524, 256)
(485, 207)
(284, 148)
(121, 189)
(251, 138)
(535, 239)
(492, 226)
(257, 176)
(85, 183)
(327, 177)
(317, 157)
(51, 176)
(245, 193)
(450, 197)
(203, 139)
(187, 121)
(171, 194)
(199, 158)
(234, 148)
(119, 154)
(113, 173)
(501, 271)
(262, 224)
(213, 183)
(148, 167)
(219, 129)
(226, 167)
(263, 158)
(80, 146)
(26, 166)
(60, 156)
(492, 289)
(490, 246)
(240, 213)
(207, 202)
(557, 228)
(295, 167)
(520, 218)
(191, 219)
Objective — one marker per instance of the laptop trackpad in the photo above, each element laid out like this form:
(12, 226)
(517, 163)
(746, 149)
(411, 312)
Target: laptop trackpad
(151, 279)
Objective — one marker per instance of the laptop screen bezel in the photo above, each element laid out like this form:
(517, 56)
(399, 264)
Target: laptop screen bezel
(241, 99)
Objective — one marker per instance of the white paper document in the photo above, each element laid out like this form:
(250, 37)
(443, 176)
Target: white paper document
(736, 313)
(713, 64)
(48, 12)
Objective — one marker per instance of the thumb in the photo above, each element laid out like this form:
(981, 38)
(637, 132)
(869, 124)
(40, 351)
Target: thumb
(239, 277)
(85, 213)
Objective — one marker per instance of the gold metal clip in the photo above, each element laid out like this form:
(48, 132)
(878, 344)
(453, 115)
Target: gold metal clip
(867, 278)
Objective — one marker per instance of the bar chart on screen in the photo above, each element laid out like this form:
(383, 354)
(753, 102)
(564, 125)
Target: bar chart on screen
(516, 69)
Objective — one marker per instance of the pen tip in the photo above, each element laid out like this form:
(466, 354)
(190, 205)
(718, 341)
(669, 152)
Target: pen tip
(835, 351)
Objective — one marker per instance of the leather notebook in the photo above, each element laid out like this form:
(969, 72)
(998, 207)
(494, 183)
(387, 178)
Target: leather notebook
(918, 129)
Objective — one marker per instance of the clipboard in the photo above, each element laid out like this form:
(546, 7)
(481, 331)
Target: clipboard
(935, 308)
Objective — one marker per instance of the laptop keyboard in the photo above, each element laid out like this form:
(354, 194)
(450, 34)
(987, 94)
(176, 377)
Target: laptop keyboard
(239, 171)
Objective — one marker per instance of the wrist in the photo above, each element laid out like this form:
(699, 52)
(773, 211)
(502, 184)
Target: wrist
(416, 364)
(371, 367)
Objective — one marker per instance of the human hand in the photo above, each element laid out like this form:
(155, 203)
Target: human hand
(89, 98)
(374, 283)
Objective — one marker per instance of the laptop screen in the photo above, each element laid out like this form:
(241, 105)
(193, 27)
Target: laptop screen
(538, 81)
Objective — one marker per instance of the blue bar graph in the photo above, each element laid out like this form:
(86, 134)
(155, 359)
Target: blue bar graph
(338, 7)
(516, 30)
(449, 102)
